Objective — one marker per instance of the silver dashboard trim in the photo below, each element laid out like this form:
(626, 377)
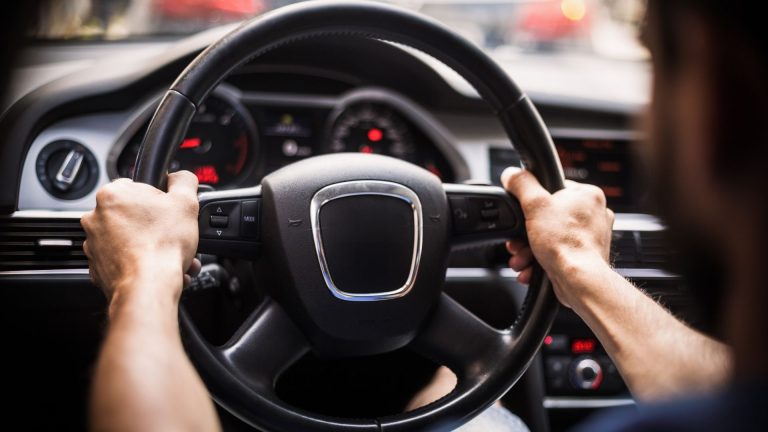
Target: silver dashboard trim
(617, 134)
(508, 273)
(358, 188)
(48, 272)
(47, 214)
(248, 192)
(637, 222)
(579, 402)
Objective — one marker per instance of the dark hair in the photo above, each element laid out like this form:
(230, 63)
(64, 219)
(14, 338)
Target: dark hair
(744, 17)
(740, 78)
(737, 71)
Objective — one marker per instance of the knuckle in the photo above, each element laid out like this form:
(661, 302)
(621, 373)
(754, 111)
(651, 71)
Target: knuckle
(86, 220)
(106, 195)
(187, 175)
(595, 193)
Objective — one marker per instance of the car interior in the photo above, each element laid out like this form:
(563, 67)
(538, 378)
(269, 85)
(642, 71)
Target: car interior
(278, 115)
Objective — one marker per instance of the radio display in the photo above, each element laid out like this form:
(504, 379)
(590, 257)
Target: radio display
(605, 163)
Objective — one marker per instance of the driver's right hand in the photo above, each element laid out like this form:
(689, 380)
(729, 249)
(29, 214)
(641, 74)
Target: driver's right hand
(569, 232)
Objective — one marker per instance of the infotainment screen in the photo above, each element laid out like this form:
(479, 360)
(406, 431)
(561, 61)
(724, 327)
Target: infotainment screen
(605, 163)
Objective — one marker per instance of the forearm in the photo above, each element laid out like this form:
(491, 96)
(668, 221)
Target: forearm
(657, 354)
(143, 379)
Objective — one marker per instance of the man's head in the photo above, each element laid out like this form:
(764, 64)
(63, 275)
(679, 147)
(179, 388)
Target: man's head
(708, 130)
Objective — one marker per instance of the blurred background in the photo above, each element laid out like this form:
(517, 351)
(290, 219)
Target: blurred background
(567, 48)
(605, 28)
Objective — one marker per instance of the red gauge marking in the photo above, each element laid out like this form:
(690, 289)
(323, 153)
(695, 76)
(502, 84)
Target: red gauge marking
(548, 340)
(190, 143)
(375, 134)
(434, 170)
(207, 174)
(366, 149)
(241, 144)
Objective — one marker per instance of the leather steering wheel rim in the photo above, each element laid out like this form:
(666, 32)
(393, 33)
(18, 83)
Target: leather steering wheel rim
(514, 110)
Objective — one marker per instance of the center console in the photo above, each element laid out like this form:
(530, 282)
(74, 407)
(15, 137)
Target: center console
(579, 376)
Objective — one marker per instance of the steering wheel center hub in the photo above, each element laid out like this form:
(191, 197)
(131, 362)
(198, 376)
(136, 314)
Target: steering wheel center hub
(349, 232)
(368, 238)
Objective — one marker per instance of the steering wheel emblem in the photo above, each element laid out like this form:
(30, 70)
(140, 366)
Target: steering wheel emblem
(368, 237)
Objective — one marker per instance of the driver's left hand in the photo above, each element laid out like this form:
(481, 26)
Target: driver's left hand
(139, 233)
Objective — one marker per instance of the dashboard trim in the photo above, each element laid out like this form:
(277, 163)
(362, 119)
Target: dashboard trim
(585, 403)
(480, 273)
(46, 272)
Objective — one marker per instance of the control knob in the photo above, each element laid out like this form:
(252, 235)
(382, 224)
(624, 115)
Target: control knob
(586, 373)
(67, 169)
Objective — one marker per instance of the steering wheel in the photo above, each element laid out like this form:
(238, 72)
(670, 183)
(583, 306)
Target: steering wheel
(357, 244)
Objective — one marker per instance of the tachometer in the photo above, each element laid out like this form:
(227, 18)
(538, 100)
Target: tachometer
(372, 128)
(218, 147)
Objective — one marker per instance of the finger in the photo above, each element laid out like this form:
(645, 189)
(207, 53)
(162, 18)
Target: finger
(524, 277)
(515, 245)
(522, 259)
(523, 185)
(86, 249)
(571, 183)
(182, 183)
(187, 281)
(195, 267)
(85, 220)
(93, 276)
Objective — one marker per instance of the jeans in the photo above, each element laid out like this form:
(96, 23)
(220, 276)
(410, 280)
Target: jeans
(495, 419)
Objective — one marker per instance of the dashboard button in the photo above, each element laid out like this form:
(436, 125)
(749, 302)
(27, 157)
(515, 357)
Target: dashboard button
(250, 212)
(489, 214)
(219, 221)
(216, 213)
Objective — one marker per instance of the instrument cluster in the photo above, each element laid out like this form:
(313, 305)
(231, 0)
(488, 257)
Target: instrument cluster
(235, 139)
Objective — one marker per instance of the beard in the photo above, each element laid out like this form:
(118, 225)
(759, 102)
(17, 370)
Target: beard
(697, 256)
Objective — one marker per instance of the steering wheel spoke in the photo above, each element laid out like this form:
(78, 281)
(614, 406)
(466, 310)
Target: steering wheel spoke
(460, 340)
(230, 222)
(264, 346)
(483, 213)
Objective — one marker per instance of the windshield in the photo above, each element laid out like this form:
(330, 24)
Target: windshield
(605, 28)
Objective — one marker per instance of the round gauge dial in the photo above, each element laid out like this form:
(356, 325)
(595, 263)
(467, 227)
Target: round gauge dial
(372, 128)
(218, 147)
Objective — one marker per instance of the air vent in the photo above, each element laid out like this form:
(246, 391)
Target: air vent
(654, 249)
(41, 244)
(624, 249)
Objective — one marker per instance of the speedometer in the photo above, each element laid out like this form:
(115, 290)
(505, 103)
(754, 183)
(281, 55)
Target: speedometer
(372, 128)
(218, 147)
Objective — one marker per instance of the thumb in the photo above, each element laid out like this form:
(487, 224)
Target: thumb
(523, 185)
(183, 183)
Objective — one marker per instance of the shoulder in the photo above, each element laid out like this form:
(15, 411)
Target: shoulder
(740, 409)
